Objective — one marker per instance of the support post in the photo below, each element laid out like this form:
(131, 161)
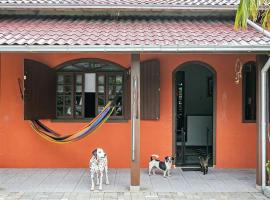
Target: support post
(263, 114)
(135, 122)
(260, 61)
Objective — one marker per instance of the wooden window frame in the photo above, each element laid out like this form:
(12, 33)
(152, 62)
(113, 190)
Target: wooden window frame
(106, 74)
(72, 87)
(107, 91)
(73, 95)
(244, 91)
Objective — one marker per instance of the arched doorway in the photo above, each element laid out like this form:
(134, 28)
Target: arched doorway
(194, 97)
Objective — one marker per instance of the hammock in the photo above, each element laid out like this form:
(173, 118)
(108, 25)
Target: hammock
(55, 137)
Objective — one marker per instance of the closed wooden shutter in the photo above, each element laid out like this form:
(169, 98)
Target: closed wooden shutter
(150, 90)
(39, 91)
(127, 96)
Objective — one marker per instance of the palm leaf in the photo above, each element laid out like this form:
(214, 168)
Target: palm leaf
(250, 9)
(242, 14)
(266, 19)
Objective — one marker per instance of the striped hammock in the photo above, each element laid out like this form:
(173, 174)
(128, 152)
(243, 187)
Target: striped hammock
(55, 137)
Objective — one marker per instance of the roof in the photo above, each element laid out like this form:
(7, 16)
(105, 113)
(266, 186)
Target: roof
(127, 34)
(119, 3)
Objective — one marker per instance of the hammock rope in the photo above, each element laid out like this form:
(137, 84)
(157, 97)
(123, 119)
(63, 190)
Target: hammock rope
(52, 136)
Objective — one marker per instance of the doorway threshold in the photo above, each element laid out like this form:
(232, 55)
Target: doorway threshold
(188, 169)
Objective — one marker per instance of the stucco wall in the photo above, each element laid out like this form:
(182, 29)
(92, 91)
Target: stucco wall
(20, 146)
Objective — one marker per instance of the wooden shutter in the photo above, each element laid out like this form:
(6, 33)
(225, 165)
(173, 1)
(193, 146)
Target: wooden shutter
(39, 91)
(150, 90)
(127, 95)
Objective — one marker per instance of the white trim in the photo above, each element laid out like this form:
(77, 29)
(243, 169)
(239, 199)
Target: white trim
(264, 116)
(258, 28)
(117, 7)
(129, 48)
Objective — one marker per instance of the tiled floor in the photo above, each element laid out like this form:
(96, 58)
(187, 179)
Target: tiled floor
(77, 180)
(131, 196)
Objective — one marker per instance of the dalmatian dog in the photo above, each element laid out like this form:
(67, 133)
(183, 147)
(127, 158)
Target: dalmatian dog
(164, 166)
(98, 165)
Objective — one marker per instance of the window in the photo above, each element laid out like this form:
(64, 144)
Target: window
(249, 92)
(79, 89)
(85, 86)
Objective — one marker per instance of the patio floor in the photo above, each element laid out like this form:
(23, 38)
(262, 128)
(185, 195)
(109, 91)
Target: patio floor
(78, 180)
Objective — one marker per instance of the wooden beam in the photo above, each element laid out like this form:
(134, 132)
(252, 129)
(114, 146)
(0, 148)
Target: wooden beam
(260, 60)
(135, 122)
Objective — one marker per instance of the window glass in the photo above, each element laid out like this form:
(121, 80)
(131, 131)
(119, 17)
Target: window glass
(115, 93)
(90, 83)
(79, 79)
(90, 65)
(249, 91)
(101, 80)
(85, 86)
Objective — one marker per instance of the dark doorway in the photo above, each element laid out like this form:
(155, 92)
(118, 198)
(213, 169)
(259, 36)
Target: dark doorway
(193, 107)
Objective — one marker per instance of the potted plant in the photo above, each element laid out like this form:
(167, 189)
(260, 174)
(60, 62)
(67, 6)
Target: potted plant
(268, 171)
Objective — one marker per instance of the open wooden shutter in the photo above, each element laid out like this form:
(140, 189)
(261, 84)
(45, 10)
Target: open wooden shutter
(127, 96)
(150, 90)
(39, 91)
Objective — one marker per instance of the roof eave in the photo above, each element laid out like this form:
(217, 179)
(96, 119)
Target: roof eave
(118, 8)
(136, 48)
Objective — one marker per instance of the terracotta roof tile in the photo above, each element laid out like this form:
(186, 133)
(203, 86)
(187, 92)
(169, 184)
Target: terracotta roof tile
(120, 3)
(127, 32)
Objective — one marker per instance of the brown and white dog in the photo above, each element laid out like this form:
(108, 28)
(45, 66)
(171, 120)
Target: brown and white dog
(164, 166)
(98, 165)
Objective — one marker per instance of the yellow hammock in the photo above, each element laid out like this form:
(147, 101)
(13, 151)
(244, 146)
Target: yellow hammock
(55, 137)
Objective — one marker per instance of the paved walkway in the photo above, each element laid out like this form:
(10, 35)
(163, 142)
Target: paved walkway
(131, 196)
(68, 184)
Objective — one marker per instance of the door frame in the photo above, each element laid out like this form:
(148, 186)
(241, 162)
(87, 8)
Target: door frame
(214, 103)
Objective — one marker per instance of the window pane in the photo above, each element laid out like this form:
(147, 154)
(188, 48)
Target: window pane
(118, 106)
(111, 97)
(79, 88)
(95, 65)
(118, 111)
(60, 89)
(67, 111)
(115, 91)
(68, 100)
(60, 100)
(249, 80)
(78, 111)
(70, 68)
(119, 89)
(68, 79)
(67, 89)
(60, 79)
(101, 89)
(79, 79)
(90, 82)
(100, 109)
(101, 80)
(84, 64)
(111, 89)
(101, 100)
(60, 110)
(119, 79)
(79, 100)
(111, 80)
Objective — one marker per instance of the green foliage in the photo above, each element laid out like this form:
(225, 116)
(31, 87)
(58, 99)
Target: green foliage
(250, 9)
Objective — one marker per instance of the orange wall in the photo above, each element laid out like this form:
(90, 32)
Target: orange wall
(20, 146)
